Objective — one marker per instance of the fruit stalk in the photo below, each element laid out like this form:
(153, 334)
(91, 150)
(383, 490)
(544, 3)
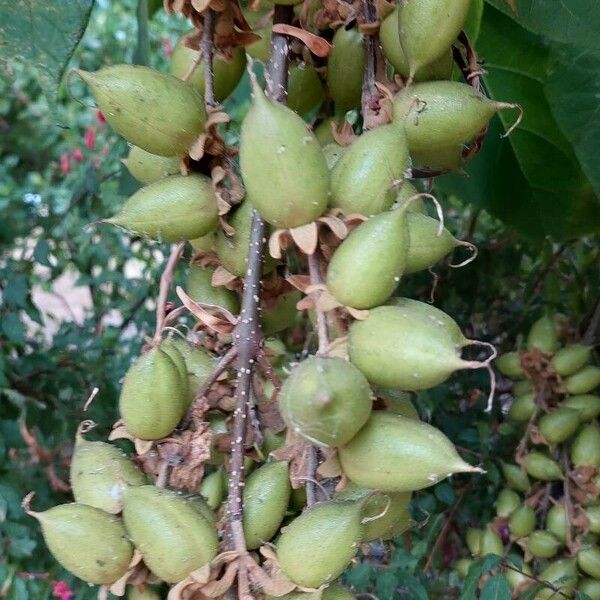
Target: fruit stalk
(592, 332)
(314, 270)
(569, 511)
(207, 51)
(369, 90)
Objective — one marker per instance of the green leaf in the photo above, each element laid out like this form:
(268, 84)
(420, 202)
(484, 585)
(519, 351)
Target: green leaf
(478, 568)
(43, 35)
(496, 588)
(141, 55)
(566, 21)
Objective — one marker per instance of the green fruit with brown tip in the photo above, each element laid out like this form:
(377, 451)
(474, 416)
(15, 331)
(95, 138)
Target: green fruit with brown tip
(543, 335)
(427, 29)
(588, 406)
(515, 477)
(389, 35)
(522, 521)
(100, 473)
(522, 387)
(588, 560)
(541, 466)
(398, 402)
(282, 164)
(157, 112)
(135, 593)
(473, 540)
(408, 192)
(585, 449)
(345, 65)
(522, 408)
(171, 533)
(559, 425)
(462, 566)
(316, 547)
(490, 543)
(584, 381)
(282, 314)
(367, 266)
(86, 541)
(199, 288)
(333, 152)
(363, 179)
(593, 516)
(509, 364)
(325, 400)
(570, 359)
(148, 168)
(556, 522)
(590, 587)
(426, 357)
(153, 397)
(507, 501)
(199, 365)
(396, 454)
(266, 497)
(563, 574)
(173, 209)
(227, 70)
(305, 90)
(214, 488)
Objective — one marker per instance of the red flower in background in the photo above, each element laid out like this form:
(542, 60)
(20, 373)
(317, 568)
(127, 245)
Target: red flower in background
(65, 163)
(167, 47)
(77, 154)
(61, 590)
(100, 117)
(90, 138)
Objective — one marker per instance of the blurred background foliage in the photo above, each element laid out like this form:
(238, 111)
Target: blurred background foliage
(77, 296)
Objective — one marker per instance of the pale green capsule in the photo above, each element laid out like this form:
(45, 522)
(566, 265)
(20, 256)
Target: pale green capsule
(148, 168)
(345, 64)
(570, 359)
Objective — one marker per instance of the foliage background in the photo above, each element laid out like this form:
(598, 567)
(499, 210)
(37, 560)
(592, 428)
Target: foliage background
(529, 202)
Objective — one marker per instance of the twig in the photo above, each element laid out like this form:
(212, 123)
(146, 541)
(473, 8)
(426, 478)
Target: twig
(567, 497)
(310, 481)
(267, 369)
(592, 331)
(548, 268)
(207, 49)
(165, 285)
(314, 270)
(543, 582)
(369, 90)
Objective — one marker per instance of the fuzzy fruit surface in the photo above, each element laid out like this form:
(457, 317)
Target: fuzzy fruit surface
(522, 408)
(426, 357)
(345, 65)
(585, 450)
(515, 477)
(427, 29)
(282, 164)
(563, 573)
(366, 268)
(173, 209)
(584, 381)
(542, 467)
(440, 68)
(148, 168)
(543, 544)
(559, 425)
(152, 110)
(588, 406)
(509, 364)
(199, 364)
(227, 70)
(570, 359)
(100, 473)
(305, 90)
(316, 547)
(396, 454)
(325, 400)
(542, 335)
(86, 541)
(362, 180)
(266, 498)
(153, 397)
(199, 288)
(170, 532)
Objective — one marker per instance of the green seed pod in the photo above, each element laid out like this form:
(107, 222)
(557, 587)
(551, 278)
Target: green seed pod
(439, 117)
(473, 540)
(214, 488)
(516, 579)
(148, 168)
(593, 516)
(323, 131)
(559, 425)
(395, 454)
(333, 152)
(587, 405)
(507, 501)
(199, 287)
(590, 587)
(542, 467)
(157, 112)
(325, 400)
(584, 381)
(408, 192)
(563, 574)
(389, 34)
(522, 408)
(363, 179)
(366, 268)
(428, 28)
(426, 358)
(522, 387)
(261, 49)
(522, 521)
(556, 522)
(316, 547)
(100, 473)
(542, 335)
(282, 314)
(199, 365)
(588, 559)
(172, 209)
(204, 243)
(171, 349)
(509, 364)
(227, 70)
(337, 592)
(272, 442)
(172, 534)
(282, 164)
(218, 424)
(266, 497)
(462, 566)
(153, 397)
(585, 449)
(570, 359)
(490, 543)
(345, 65)
(398, 402)
(515, 477)
(135, 593)
(86, 541)
(305, 91)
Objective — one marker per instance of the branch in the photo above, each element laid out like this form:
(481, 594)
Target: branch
(369, 90)
(567, 497)
(314, 269)
(592, 331)
(207, 49)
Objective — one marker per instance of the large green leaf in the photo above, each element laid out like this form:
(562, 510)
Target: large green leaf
(532, 179)
(568, 21)
(43, 34)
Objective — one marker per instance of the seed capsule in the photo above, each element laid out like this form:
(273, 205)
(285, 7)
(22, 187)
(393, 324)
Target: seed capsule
(333, 152)
(584, 381)
(542, 335)
(473, 540)
(522, 521)
(563, 574)
(542, 467)
(148, 168)
(135, 593)
(570, 359)
(559, 425)
(593, 516)
(398, 402)
(509, 364)
(408, 192)
(516, 579)
(507, 501)
(543, 544)
(282, 164)
(588, 406)
(556, 522)
(462, 566)
(305, 91)
(590, 587)
(585, 450)
(213, 488)
(199, 287)
(515, 477)
(157, 112)
(396, 454)
(588, 559)
(522, 387)
(172, 209)
(172, 350)
(490, 543)
(204, 243)
(345, 65)
(199, 365)
(281, 315)
(522, 408)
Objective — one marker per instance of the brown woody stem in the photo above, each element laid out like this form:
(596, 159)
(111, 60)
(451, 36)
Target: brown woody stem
(369, 90)
(207, 49)
(314, 270)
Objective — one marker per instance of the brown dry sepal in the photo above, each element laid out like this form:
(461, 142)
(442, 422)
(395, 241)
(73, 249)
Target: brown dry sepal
(296, 451)
(317, 45)
(333, 13)
(538, 368)
(216, 318)
(137, 574)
